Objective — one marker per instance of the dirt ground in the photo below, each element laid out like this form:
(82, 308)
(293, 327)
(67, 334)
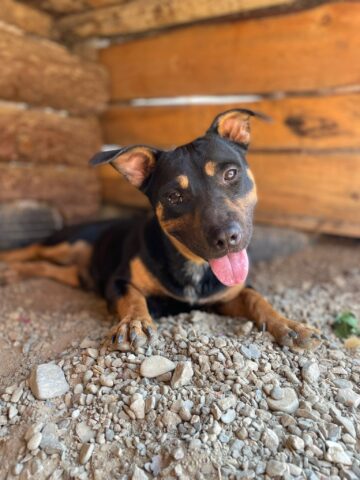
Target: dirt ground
(41, 321)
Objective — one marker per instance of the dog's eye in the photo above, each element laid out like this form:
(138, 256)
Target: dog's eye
(175, 198)
(230, 174)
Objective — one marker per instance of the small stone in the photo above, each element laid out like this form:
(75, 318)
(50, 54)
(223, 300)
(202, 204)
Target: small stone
(92, 352)
(34, 441)
(139, 474)
(178, 453)
(109, 435)
(171, 419)
(348, 397)
(48, 381)
(13, 411)
(228, 417)
(293, 442)
(251, 352)
(275, 468)
(50, 439)
(138, 407)
(37, 427)
(310, 372)
(336, 454)
(182, 374)
(85, 453)
(277, 393)
(226, 403)
(16, 395)
(156, 365)
(270, 439)
(106, 381)
(288, 404)
(84, 432)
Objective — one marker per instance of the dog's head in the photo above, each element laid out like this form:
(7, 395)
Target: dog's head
(203, 193)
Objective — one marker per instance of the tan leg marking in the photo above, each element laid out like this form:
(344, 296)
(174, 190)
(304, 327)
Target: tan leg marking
(16, 272)
(136, 326)
(250, 304)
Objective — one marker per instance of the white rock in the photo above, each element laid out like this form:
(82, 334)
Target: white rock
(86, 452)
(12, 412)
(48, 381)
(182, 374)
(288, 404)
(310, 372)
(106, 381)
(139, 474)
(293, 442)
(336, 454)
(348, 397)
(84, 432)
(275, 468)
(226, 403)
(270, 439)
(15, 397)
(37, 427)
(156, 365)
(138, 407)
(34, 441)
(50, 439)
(228, 417)
(171, 419)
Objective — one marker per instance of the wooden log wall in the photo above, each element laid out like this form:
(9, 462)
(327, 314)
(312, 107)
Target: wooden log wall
(296, 60)
(49, 103)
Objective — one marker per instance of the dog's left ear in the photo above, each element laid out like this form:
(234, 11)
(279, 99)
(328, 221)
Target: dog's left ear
(235, 125)
(136, 163)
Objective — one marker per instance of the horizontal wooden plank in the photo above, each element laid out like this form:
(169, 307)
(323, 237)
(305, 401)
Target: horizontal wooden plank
(312, 49)
(143, 15)
(319, 193)
(27, 18)
(298, 123)
(43, 137)
(44, 73)
(73, 191)
(63, 7)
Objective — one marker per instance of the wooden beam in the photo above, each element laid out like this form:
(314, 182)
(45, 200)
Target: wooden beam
(43, 73)
(43, 137)
(313, 49)
(73, 191)
(143, 15)
(324, 122)
(313, 192)
(27, 18)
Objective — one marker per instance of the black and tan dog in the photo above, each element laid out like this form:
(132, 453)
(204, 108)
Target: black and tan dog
(190, 254)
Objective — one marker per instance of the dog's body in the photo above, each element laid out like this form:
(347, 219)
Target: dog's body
(191, 253)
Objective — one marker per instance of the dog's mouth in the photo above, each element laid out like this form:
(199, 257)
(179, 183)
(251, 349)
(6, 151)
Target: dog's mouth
(232, 268)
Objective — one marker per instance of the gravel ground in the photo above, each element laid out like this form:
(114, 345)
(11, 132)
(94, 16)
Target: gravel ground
(212, 398)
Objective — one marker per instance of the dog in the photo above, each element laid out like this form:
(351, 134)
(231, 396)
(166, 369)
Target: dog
(191, 252)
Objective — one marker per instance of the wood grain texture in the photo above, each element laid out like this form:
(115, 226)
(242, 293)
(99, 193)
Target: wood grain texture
(27, 18)
(319, 193)
(43, 73)
(143, 15)
(73, 191)
(312, 49)
(42, 137)
(297, 123)
(63, 7)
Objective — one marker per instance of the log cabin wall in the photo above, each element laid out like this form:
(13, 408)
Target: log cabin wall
(49, 103)
(174, 64)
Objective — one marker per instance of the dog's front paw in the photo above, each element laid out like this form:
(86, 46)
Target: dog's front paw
(131, 333)
(294, 335)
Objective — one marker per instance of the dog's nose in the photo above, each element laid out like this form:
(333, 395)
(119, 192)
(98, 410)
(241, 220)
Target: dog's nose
(227, 237)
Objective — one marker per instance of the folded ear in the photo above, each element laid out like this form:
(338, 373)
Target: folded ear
(235, 125)
(136, 162)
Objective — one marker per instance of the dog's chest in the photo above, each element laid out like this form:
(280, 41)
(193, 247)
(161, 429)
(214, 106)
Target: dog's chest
(193, 281)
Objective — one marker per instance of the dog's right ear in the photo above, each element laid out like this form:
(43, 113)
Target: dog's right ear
(136, 163)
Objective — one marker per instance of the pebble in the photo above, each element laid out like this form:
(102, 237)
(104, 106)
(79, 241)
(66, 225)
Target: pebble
(336, 454)
(270, 439)
(138, 407)
(275, 468)
(310, 372)
(277, 393)
(156, 365)
(182, 375)
(171, 419)
(85, 453)
(288, 404)
(48, 381)
(348, 397)
(228, 417)
(293, 442)
(139, 474)
(34, 441)
(251, 352)
(84, 432)
(50, 439)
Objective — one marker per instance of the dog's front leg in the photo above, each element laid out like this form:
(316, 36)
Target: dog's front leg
(136, 326)
(250, 304)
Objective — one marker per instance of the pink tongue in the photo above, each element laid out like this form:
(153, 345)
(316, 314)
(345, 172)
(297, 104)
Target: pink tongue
(231, 269)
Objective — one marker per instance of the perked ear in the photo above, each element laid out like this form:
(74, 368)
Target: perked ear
(136, 162)
(235, 125)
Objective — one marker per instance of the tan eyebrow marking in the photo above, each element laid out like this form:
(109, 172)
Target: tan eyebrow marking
(183, 181)
(210, 168)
